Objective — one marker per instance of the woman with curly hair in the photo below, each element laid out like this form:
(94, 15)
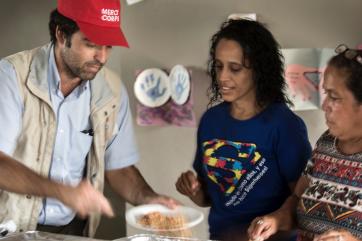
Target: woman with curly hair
(251, 148)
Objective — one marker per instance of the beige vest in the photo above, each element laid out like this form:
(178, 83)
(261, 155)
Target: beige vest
(36, 140)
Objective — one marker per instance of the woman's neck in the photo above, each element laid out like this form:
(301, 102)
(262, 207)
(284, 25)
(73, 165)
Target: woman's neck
(350, 146)
(244, 111)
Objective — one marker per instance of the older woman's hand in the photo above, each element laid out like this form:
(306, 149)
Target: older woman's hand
(336, 235)
(261, 228)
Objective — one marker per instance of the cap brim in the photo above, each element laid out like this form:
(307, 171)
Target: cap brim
(103, 35)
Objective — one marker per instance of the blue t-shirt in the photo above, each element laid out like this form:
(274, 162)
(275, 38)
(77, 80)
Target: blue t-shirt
(247, 164)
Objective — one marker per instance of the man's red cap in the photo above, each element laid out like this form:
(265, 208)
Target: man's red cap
(99, 20)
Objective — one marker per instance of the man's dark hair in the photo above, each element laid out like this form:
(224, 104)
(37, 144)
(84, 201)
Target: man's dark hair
(352, 70)
(67, 26)
(263, 56)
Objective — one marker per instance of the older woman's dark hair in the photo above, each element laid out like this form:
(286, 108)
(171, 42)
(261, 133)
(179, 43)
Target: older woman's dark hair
(353, 72)
(263, 56)
(67, 26)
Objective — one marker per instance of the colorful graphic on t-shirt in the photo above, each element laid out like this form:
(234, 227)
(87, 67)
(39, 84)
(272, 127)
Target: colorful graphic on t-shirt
(227, 161)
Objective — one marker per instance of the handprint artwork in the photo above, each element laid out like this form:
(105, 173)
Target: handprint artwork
(180, 84)
(153, 89)
(179, 87)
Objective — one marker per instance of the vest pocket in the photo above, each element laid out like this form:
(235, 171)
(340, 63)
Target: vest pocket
(80, 146)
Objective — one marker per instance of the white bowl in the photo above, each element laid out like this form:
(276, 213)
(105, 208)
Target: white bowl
(191, 215)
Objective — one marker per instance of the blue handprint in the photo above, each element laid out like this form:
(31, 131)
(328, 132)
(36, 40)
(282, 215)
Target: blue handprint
(152, 88)
(180, 86)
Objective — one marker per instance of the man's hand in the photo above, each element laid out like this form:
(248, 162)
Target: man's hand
(84, 199)
(131, 186)
(163, 200)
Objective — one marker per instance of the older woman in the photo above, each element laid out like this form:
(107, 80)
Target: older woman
(328, 200)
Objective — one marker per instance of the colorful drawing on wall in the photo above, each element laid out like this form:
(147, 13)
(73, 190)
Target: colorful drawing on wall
(177, 110)
(304, 69)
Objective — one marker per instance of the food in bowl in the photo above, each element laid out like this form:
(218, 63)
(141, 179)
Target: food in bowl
(169, 225)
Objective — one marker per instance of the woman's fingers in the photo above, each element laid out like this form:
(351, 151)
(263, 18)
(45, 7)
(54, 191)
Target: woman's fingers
(261, 228)
(187, 184)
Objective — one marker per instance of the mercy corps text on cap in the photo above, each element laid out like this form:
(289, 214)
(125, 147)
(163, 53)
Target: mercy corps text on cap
(111, 15)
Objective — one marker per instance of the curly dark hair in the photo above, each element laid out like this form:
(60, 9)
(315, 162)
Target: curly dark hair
(352, 70)
(264, 57)
(65, 25)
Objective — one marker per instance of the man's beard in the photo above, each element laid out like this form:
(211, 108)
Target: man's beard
(74, 70)
(81, 72)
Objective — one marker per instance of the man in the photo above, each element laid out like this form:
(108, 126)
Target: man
(67, 117)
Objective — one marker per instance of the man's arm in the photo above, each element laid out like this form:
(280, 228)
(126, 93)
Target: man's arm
(131, 186)
(84, 199)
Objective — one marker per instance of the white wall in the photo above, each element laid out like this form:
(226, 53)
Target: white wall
(163, 33)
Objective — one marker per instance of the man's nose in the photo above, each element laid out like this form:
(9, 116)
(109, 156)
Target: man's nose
(102, 54)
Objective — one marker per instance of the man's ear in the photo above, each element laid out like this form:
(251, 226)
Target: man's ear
(61, 39)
